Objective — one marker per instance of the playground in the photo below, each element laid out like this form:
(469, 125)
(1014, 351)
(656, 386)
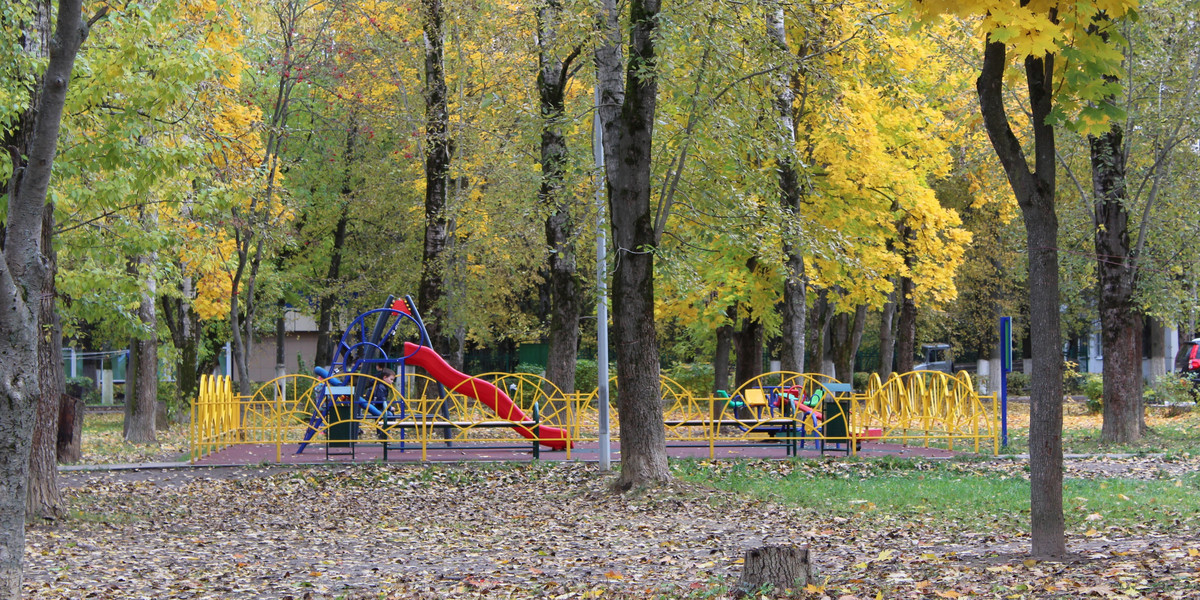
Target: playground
(388, 397)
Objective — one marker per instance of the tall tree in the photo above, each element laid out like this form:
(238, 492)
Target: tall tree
(628, 93)
(328, 293)
(302, 27)
(1120, 319)
(1130, 161)
(791, 195)
(1037, 33)
(141, 392)
(22, 276)
(44, 496)
(438, 151)
(1034, 189)
(566, 299)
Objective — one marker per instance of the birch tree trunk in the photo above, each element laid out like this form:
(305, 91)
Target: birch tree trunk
(795, 284)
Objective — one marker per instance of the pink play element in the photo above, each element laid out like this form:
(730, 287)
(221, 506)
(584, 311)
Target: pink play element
(493, 397)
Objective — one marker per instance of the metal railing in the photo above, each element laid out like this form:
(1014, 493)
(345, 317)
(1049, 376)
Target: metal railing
(926, 408)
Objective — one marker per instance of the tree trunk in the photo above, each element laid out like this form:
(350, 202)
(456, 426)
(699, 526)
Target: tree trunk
(627, 117)
(70, 429)
(22, 276)
(721, 361)
(779, 567)
(887, 337)
(845, 332)
(1120, 323)
(906, 334)
(280, 343)
(141, 394)
(325, 333)
(748, 346)
(438, 150)
(565, 298)
(823, 311)
(45, 499)
(721, 354)
(1035, 195)
(238, 323)
(1158, 348)
(329, 294)
(186, 331)
(795, 284)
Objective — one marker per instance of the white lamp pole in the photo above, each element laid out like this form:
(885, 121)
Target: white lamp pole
(602, 291)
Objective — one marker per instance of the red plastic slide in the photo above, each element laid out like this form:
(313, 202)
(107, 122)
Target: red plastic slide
(482, 391)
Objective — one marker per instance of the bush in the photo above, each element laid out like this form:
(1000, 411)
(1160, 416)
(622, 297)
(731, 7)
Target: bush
(1169, 390)
(860, 381)
(1072, 378)
(1018, 384)
(695, 378)
(167, 394)
(586, 375)
(84, 389)
(531, 369)
(1093, 390)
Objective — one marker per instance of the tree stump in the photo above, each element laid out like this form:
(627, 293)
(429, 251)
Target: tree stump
(781, 567)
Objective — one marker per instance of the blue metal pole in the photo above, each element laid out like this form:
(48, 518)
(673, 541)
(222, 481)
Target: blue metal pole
(1005, 367)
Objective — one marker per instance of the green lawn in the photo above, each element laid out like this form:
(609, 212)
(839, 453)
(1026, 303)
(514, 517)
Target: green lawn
(969, 494)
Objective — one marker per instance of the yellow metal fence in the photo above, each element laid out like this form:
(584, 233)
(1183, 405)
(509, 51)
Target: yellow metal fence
(920, 408)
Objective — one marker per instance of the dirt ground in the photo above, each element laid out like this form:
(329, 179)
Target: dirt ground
(553, 531)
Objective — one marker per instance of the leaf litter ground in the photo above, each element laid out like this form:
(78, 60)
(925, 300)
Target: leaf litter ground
(553, 531)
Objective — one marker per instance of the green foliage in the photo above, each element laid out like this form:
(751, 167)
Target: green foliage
(587, 374)
(531, 369)
(696, 378)
(1093, 389)
(168, 394)
(860, 380)
(1018, 384)
(1169, 390)
(83, 388)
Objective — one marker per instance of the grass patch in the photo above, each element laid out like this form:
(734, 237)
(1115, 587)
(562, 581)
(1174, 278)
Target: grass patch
(960, 495)
(1172, 434)
(1125, 503)
(104, 442)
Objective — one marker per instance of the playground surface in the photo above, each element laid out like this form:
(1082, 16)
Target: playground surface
(586, 452)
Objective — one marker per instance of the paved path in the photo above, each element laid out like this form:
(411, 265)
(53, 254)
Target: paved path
(263, 454)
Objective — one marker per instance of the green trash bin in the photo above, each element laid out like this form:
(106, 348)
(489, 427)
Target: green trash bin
(344, 431)
(836, 426)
